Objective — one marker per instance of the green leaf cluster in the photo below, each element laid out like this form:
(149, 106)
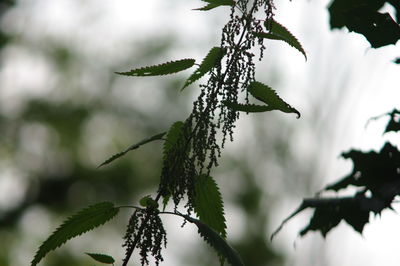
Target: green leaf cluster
(191, 148)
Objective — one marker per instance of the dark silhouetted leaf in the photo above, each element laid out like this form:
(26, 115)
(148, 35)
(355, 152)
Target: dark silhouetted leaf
(85, 220)
(396, 60)
(363, 17)
(376, 175)
(332, 211)
(379, 29)
(208, 204)
(213, 58)
(376, 172)
(394, 122)
(276, 31)
(342, 183)
(338, 10)
(162, 69)
(102, 258)
(329, 212)
(215, 240)
(248, 108)
(133, 147)
(323, 220)
(298, 210)
(267, 95)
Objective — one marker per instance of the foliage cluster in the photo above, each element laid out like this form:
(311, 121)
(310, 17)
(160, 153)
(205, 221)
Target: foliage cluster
(375, 175)
(192, 148)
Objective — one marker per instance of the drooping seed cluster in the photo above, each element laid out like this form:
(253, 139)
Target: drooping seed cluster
(198, 150)
(146, 231)
(179, 170)
(205, 131)
(226, 81)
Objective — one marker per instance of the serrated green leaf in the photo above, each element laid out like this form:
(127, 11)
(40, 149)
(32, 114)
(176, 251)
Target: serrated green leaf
(147, 201)
(208, 204)
(215, 240)
(133, 147)
(215, 3)
(213, 57)
(166, 200)
(85, 220)
(172, 137)
(102, 258)
(267, 95)
(162, 69)
(277, 31)
(249, 108)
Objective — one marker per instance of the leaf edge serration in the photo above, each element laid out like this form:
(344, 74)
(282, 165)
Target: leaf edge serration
(167, 68)
(55, 240)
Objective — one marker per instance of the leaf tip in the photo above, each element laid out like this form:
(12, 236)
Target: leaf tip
(121, 73)
(102, 258)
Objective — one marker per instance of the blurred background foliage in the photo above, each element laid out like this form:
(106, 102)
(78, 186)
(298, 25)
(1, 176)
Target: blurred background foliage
(63, 111)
